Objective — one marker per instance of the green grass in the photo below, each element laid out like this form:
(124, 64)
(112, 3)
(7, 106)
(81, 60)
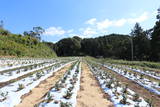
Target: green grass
(141, 64)
(148, 64)
(24, 46)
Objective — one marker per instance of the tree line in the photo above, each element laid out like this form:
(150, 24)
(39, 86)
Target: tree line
(146, 44)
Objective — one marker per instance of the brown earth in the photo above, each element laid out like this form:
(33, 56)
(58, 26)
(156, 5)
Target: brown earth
(90, 94)
(137, 88)
(36, 95)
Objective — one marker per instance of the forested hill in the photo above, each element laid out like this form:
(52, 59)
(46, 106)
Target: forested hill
(114, 45)
(13, 45)
(140, 45)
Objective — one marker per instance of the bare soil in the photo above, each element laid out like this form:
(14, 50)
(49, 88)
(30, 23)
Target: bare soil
(90, 93)
(36, 95)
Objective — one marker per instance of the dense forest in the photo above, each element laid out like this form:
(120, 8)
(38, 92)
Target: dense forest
(138, 45)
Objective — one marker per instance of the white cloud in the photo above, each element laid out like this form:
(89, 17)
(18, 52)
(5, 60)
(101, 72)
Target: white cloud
(91, 21)
(139, 19)
(94, 26)
(51, 31)
(104, 24)
(108, 23)
(70, 31)
(119, 22)
(89, 31)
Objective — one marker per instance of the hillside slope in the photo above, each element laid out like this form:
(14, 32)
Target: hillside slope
(23, 46)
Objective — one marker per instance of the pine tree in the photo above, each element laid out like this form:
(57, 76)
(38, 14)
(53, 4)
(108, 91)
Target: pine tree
(155, 41)
(141, 43)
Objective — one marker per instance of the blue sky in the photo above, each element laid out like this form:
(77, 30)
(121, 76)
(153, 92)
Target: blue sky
(86, 18)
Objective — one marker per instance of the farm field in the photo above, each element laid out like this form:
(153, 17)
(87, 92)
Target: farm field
(77, 82)
(86, 53)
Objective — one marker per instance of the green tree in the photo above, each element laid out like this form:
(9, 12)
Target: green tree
(141, 43)
(36, 32)
(68, 47)
(155, 39)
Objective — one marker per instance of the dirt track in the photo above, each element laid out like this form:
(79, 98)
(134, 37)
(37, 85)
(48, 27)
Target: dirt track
(90, 94)
(36, 95)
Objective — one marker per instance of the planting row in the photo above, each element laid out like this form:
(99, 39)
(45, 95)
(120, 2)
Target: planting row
(120, 94)
(6, 76)
(6, 64)
(141, 79)
(10, 95)
(153, 74)
(64, 93)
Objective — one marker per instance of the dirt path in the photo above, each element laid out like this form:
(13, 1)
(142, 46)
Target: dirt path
(90, 94)
(36, 95)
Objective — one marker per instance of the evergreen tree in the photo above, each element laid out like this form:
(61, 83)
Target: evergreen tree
(155, 39)
(141, 43)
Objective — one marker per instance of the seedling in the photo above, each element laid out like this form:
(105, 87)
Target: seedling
(49, 97)
(3, 95)
(18, 71)
(159, 84)
(38, 75)
(68, 95)
(124, 90)
(67, 104)
(150, 102)
(108, 84)
(70, 88)
(137, 104)
(124, 99)
(141, 76)
(136, 98)
(125, 72)
(20, 87)
(57, 86)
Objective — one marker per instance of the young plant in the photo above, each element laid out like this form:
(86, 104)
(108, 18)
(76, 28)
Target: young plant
(159, 83)
(124, 99)
(3, 95)
(49, 97)
(68, 95)
(38, 75)
(125, 72)
(141, 76)
(150, 102)
(67, 104)
(124, 90)
(136, 98)
(108, 84)
(137, 104)
(57, 86)
(20, 87)
(18, 71)
(70, 88)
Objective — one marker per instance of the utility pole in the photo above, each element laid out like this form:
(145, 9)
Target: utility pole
(131, 48)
